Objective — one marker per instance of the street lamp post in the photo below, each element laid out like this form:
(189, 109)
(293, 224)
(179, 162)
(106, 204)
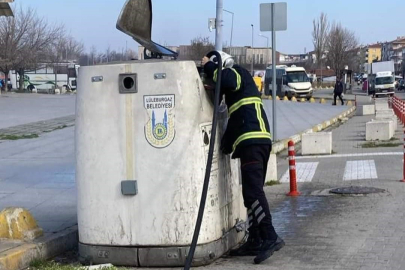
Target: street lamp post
(232, 26)
(218, 25)
(265, 38)
(253, 55)
(267, 54)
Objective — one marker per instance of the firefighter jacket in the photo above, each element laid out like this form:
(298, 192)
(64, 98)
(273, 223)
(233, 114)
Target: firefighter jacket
(247, 122)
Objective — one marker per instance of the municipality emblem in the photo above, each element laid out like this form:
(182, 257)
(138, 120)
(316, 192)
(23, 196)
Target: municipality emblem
(159, 130)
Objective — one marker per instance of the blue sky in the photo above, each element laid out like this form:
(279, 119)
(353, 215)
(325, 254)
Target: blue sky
(176, 22)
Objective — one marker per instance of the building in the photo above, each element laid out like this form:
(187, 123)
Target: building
(393, 51)
(373, 53)
(293, 59)
(312, 57)
(5, 9)
(403, 63)
(261, 57)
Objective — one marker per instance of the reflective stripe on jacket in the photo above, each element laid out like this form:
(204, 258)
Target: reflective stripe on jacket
(248, 122)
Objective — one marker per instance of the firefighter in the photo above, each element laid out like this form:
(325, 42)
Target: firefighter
(248, 138)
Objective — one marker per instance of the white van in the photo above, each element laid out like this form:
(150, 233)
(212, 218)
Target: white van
(382, 83)
(291, 82)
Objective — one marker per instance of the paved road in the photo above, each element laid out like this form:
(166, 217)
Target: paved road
(19, 109)
(296, 117)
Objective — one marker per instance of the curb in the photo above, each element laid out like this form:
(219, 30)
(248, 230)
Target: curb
(316, 98)
(344, 98)
(282, 145)
(45, 247)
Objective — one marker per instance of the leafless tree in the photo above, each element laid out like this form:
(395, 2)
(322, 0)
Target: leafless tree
(93, 55)
(320, 35)
(73, 48)
(200, 46)
(63, 49)
(56, 52)
(341, 46)
(132, 55)
(356, 59)
(108, 54)
(23, 39)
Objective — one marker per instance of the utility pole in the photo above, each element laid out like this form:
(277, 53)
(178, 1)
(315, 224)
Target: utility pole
(253, 55)
(218, 26)
(230, 45)
(273, 63)
(320, 61)
(126, 51)
(268, 49)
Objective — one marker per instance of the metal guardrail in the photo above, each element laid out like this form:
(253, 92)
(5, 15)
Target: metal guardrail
(398, 105)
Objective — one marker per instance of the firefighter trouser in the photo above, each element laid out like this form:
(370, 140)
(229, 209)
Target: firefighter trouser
(254, 159)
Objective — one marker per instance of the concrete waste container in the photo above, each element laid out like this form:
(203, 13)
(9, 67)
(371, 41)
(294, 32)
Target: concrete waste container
(142, 138)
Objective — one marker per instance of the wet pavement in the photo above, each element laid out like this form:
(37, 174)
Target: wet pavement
(329, 231)
(321, 231)
(333, 232)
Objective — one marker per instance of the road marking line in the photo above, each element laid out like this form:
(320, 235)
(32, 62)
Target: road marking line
(354, 155)
(360, 169)
(305, 172)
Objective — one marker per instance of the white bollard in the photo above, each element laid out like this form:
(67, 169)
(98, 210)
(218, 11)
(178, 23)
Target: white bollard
(381, 106)
(366, 110)
(272, 169)
(319, 143)
(379, 130)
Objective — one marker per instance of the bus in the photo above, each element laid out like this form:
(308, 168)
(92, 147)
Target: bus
(44, 78)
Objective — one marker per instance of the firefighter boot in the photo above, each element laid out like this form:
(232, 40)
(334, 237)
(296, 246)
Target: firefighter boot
(268, 248)
(251, 247)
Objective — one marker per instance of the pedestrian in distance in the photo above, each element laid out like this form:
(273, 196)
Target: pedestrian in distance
(338, 92)
(248, 137)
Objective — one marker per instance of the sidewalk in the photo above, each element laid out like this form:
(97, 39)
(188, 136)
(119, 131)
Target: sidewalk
(351, 95)
(324, 231)
(295, 117)
(39, 174)
(350, 149)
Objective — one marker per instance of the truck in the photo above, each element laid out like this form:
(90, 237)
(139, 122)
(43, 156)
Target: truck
(291, 82)
(381, 79)
(43, 79)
